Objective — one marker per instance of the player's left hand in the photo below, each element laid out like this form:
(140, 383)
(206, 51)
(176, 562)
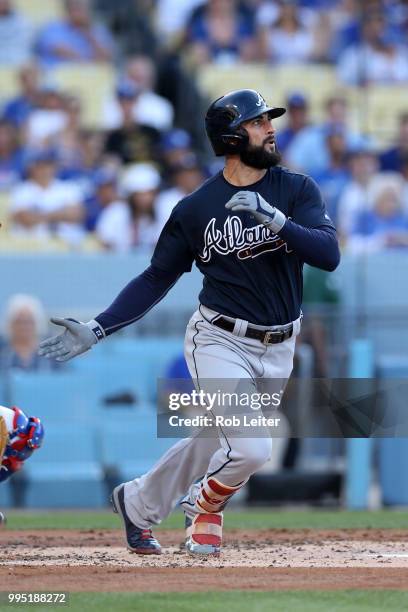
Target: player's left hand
(252, 201)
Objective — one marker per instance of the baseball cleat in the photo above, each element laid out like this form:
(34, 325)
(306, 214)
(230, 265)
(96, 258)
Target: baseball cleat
(204, 534)
(140, 541)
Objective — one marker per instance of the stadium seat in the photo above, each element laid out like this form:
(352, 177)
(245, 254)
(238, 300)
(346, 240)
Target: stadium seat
(393, 452)
(66, 471)
(91, 83)
(40, 11)
(10, 243)
(55, 397)
(116, 375)
(5, 495)
(131, 446)
(152, 356)
(4, 212)
(316, 81)
(382, 108)
(3, 390)
(9, 82)
(392, 366)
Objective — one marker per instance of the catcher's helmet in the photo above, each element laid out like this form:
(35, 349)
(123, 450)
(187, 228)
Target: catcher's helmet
(225, 116)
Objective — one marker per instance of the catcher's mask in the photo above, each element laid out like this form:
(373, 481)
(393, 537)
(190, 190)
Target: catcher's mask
(224, 118)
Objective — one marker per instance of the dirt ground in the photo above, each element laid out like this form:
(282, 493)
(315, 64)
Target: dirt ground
(92, 560)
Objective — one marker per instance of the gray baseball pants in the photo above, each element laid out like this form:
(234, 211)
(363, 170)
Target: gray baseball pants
(236, 361)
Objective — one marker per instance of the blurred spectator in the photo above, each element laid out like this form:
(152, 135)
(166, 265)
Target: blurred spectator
(66, 142)
(88, 161)
(112, 209)
(48, 119)
(334, 177)
(308, 150)
(16, 35)
(287, 37)
(172, 18)
(74, 39)
(43, 206)
(186, 175)
(132, 141)
(297, 119)
(404, 174)
(363, 166)
(384, 224)
(345, 19)
(19, 108)
(221, 31)
(376, 59)
(174, 146)
(11, 156)
(24, 325)
(392, 158)
(133, 24)
(122, 226)
(149, 108)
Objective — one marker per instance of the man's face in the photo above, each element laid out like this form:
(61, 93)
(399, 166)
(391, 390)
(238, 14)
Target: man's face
(43, 172)
(23, 327)
(106, 193)
(261, 152)
(78, 13)
(5, 7)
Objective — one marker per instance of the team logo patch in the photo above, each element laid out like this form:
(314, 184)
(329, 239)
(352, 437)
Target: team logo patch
(260, 101)
(249, 242)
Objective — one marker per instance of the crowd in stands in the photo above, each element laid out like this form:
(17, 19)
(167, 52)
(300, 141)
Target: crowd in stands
(119, 183)
(24, 326)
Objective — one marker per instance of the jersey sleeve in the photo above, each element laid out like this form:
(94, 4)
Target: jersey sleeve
(309, 208)
(173, 252)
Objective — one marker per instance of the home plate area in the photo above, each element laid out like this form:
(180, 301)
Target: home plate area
(267, 559)
(327, 554)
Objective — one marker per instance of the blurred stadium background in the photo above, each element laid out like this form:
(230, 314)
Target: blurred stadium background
(101, 133)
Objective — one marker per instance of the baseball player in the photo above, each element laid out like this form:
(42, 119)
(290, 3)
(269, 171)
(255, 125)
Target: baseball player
(20, 436)
(249, 230)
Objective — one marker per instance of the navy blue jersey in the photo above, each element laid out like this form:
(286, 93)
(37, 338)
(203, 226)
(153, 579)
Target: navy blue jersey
(249, 272)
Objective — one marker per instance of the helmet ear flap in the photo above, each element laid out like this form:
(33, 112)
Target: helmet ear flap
(232, 139)
(237, 141)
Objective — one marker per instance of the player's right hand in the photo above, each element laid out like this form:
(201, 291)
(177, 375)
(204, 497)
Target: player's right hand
(77, 338)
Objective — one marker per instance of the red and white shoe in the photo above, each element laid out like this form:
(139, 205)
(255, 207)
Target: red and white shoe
(204, 534)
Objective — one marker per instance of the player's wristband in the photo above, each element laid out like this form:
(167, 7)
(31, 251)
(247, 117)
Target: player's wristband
(278, 221)
(96, 329)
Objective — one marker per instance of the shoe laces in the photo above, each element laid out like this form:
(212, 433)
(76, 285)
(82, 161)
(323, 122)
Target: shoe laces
(146, 534)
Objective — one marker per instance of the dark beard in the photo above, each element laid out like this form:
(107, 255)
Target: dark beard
(259, 158)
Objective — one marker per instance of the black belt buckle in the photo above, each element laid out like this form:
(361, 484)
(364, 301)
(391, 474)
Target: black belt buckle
(278, 334)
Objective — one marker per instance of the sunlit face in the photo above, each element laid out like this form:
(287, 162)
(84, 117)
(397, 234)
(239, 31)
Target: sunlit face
(106, 193)
(363, 165)
(7, 136)
(142, 202)
(78, 13)
(387, 203)
(261, 152)
(23, 326)
(5, 7)
(261, 132)
(42, 172)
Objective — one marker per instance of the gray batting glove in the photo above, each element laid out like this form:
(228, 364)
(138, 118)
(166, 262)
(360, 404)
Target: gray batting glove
(254, 203)
(77, 338)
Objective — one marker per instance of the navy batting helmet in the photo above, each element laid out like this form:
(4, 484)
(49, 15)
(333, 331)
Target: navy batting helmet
(225, 116)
